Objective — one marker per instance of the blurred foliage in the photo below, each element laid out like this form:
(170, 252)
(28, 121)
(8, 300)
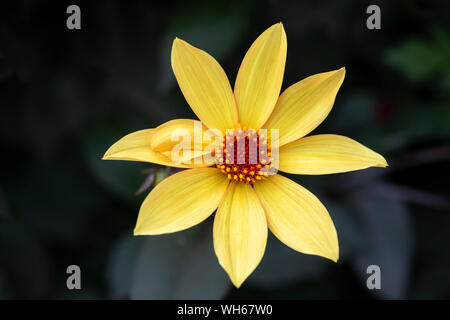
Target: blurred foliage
(423, 59)
(184, 263)
(66, 96)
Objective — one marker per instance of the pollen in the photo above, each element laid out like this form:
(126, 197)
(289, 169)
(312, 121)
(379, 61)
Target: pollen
(246, 157)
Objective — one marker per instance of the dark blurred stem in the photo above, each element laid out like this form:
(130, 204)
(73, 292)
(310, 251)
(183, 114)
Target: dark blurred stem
(424, 156)
(409, 194)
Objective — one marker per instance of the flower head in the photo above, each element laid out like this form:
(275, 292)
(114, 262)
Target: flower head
(256, 132)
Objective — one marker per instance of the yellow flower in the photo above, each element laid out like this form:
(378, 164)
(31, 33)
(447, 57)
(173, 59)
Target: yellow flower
(248, 200)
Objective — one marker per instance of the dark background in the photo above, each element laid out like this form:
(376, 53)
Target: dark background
(66, 96)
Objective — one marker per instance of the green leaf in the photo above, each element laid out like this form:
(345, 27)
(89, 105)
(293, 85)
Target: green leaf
(420, 59)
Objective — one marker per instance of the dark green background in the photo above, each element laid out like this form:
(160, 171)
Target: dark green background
(66, 96)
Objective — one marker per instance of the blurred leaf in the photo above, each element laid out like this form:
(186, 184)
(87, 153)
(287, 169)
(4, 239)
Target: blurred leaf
(350, 235)
(387, 227)
(422, 120)
(409, 194)
(122, 178)
(121, 262)
(179, 266)
(202, 277)
(431, 279)
(281, 266)
(420, 59)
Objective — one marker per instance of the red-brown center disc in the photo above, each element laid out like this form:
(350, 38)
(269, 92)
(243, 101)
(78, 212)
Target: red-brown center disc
(244, 156)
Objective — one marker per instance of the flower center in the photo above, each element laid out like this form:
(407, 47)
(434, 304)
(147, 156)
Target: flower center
(245, 155)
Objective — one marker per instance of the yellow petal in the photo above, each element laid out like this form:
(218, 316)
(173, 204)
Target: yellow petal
(205, 86)
(297, 217)
(186, 157)
(183, 140)
(260, 76)
(136, 147)
(304, 105)
(327, 153)
(171, 133)
(240, 232)
(181, 201)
